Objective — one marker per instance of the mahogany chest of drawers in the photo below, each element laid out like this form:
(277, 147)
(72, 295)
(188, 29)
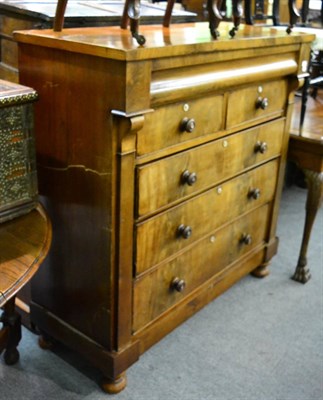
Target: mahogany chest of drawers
(161, 168)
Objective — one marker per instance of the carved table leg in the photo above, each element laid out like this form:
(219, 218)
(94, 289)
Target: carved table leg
(12, 323)
(314, 198)
(114, 386)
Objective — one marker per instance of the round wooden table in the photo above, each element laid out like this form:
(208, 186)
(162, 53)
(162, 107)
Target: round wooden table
(24, 243)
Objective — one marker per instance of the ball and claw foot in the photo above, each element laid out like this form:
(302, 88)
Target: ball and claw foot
(302, 274)
(114, 386)
(11, 356)
(261, 271)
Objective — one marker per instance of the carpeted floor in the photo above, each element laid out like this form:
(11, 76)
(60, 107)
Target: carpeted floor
(261, 340)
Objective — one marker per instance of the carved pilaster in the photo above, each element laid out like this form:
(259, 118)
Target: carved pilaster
(126, 131)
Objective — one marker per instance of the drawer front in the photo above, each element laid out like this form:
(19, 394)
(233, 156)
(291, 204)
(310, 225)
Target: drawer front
(255, 104)
(164, 235)
(155, 292)
(174, 178)
(180, 122)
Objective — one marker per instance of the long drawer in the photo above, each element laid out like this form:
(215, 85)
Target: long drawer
(177, 177)
(159, 289)
(167, 233)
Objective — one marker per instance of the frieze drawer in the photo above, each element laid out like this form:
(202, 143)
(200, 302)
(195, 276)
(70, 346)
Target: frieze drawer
(175, 178)
(171, 231)
(156, 291)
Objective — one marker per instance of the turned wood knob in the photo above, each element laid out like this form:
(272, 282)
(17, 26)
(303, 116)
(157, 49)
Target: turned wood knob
(246, 239)
(178, 284)
(188, 125)
(189, 177)
(184, 231)
(261, 147)
(254, 193)
(262, 102)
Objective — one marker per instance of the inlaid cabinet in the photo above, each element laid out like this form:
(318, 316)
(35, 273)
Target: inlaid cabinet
(161, 168)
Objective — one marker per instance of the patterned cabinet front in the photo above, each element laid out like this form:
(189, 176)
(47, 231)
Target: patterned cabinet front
(18, 180)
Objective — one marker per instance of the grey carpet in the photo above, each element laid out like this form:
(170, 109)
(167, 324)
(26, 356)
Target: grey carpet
(261, 340)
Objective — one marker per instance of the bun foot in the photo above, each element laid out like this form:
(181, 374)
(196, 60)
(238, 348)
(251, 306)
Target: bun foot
(261, 271)
(114, 386)
(44, 342)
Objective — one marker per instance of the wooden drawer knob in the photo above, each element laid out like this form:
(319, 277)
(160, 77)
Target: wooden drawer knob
(254, 193)
(189, 177)
(178, 284)
(184, 231)
(261, 147)
(188, 125)
(262, 102)
(246, 239)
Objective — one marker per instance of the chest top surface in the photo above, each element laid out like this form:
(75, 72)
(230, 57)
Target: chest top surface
(180, 39)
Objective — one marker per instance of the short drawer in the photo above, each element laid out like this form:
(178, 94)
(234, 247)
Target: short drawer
(160, 289)
(167, 233)
(174, 178)
(255, 104)
(180, 122)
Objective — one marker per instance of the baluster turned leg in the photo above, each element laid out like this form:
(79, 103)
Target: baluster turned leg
(313, 202)
(12, 326)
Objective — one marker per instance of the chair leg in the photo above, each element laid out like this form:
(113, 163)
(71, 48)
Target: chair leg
(12, 325)
(304, 103)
